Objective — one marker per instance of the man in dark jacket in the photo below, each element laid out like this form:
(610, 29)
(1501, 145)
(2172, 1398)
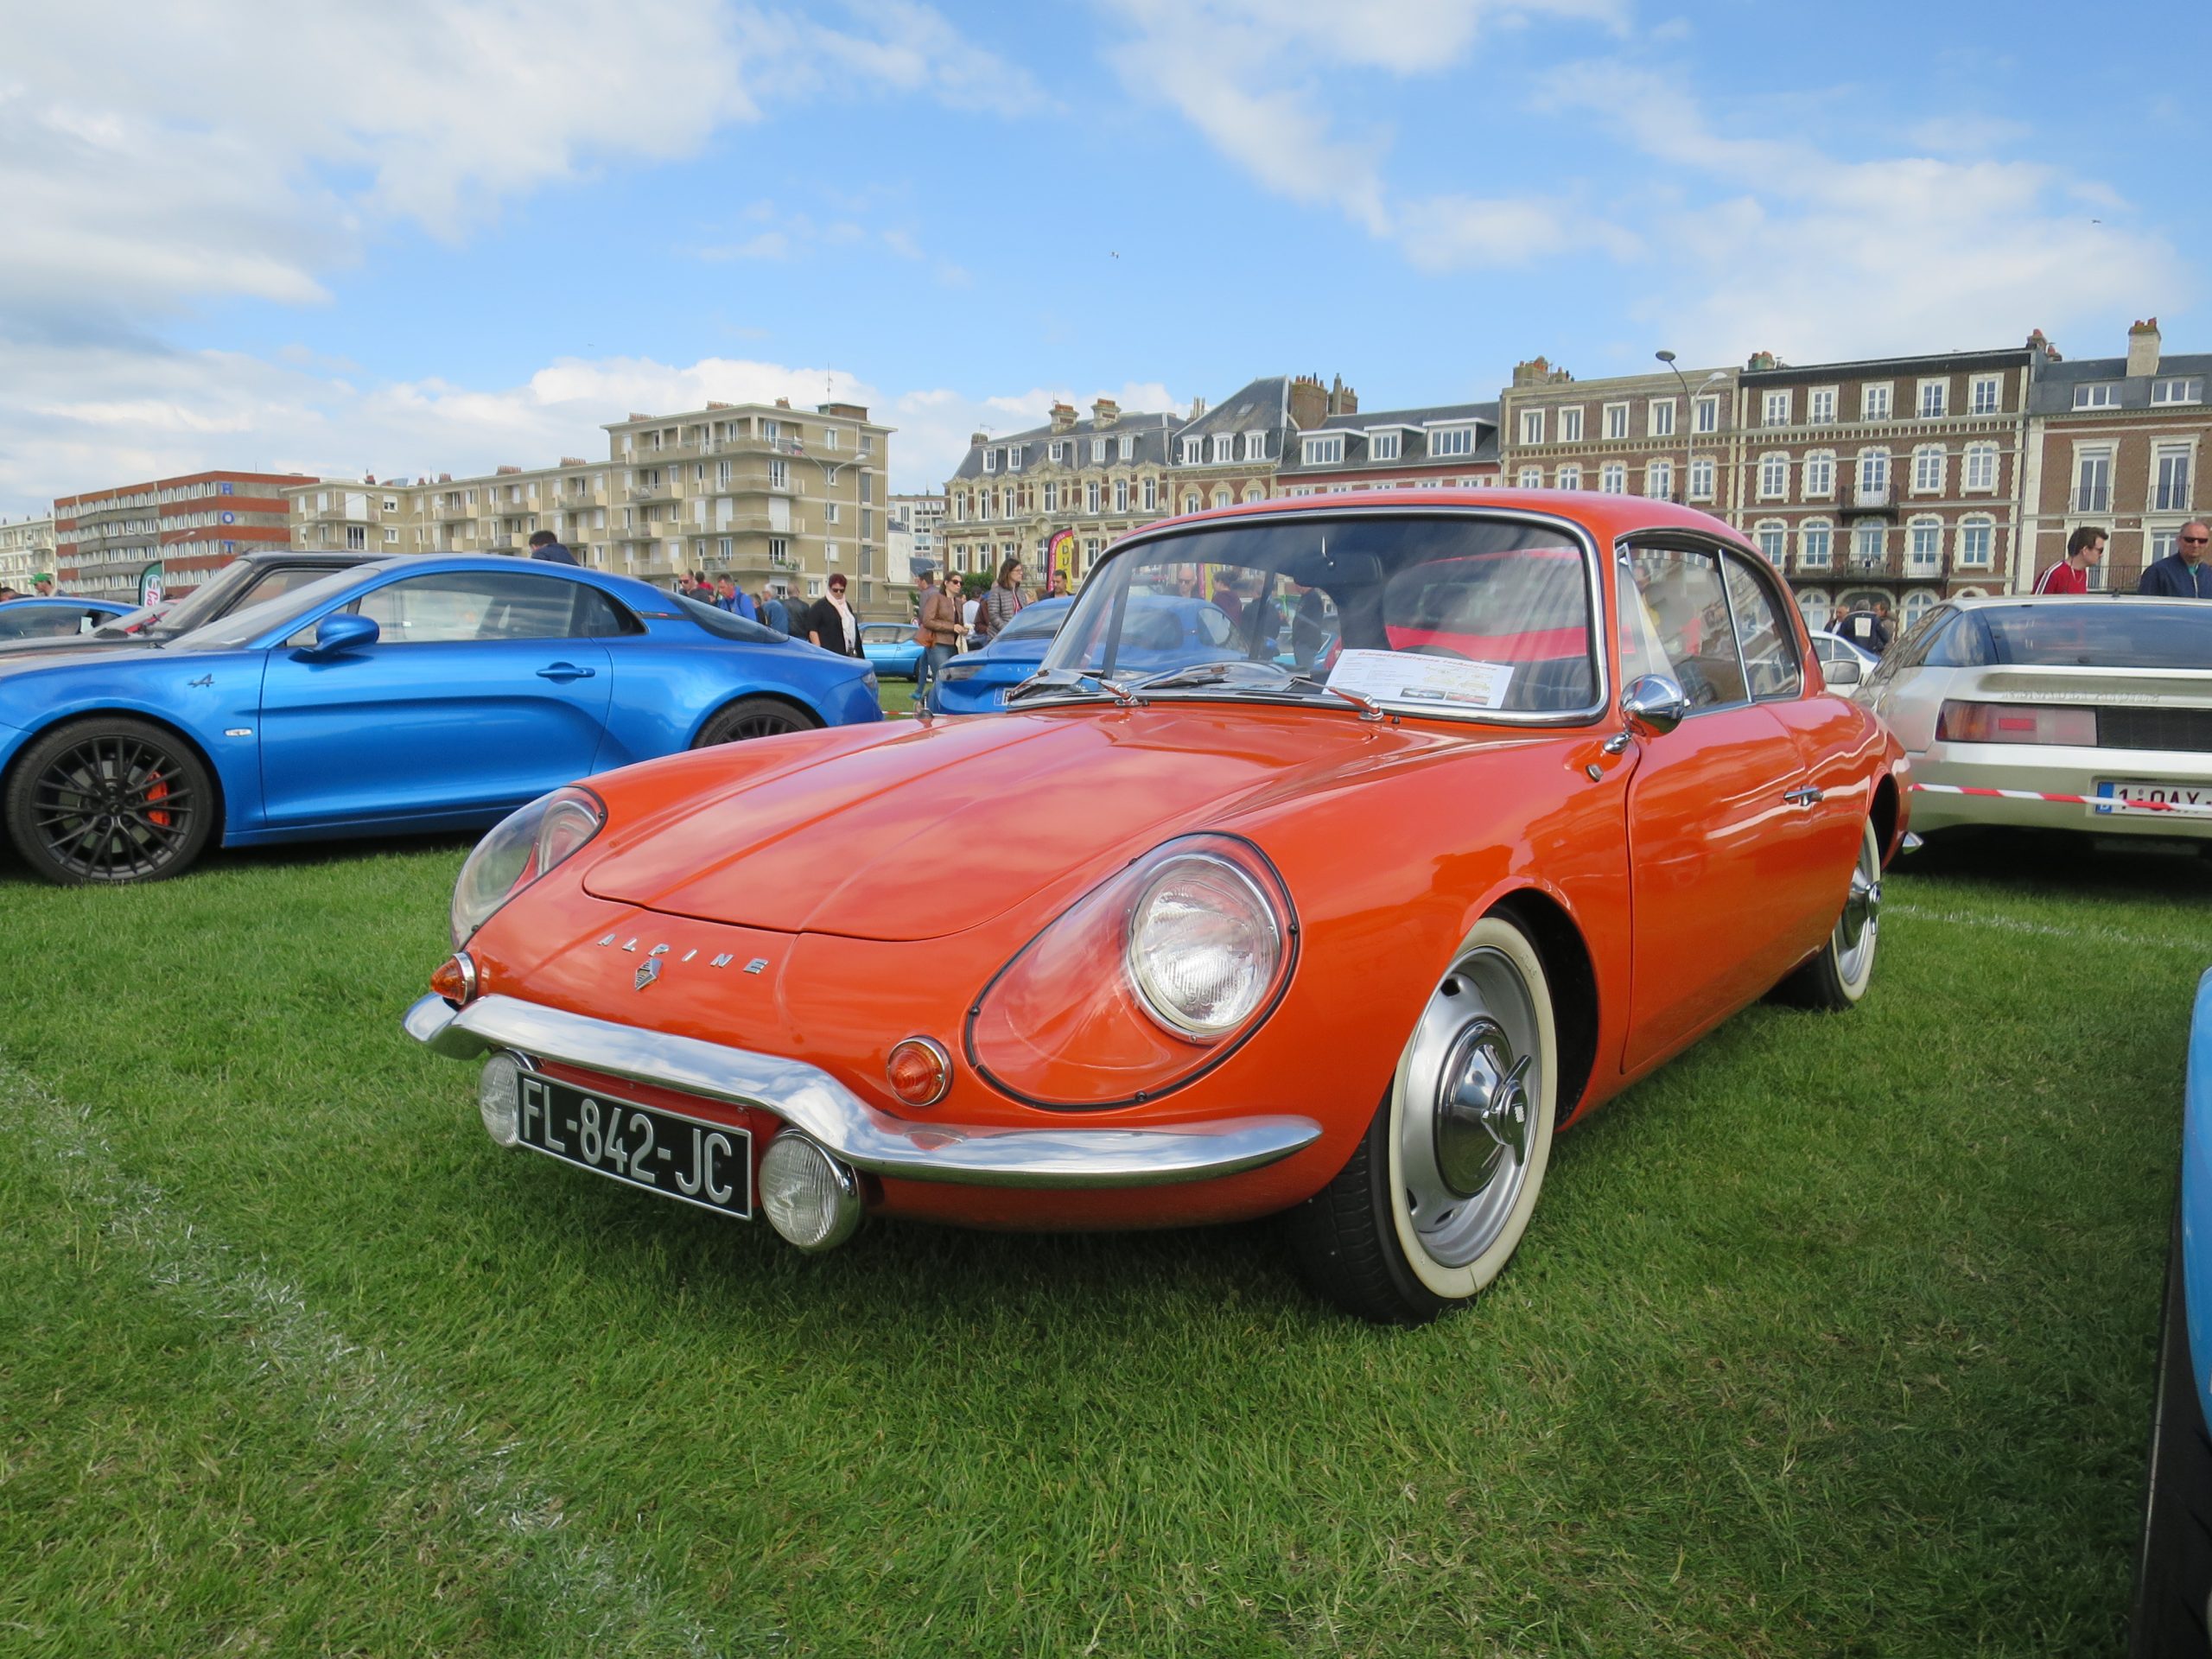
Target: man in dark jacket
(773, 613)
(545, 544)
(2185, 573)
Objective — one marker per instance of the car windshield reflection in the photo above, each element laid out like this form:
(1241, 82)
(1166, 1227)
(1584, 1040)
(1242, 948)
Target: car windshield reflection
(1451, 615)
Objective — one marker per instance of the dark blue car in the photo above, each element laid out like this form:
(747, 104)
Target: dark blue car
(2173, 1587)
(410, 694)
(1163, 632)
(61, 617)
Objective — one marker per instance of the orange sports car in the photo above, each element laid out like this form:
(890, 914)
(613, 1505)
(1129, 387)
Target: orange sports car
(1490, 803)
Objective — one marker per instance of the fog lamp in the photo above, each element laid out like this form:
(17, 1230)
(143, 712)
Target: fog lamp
(921, 1071)
(811, 1200)
(496, 1092)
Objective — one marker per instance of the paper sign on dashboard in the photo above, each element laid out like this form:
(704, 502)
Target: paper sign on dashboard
(1397, 677)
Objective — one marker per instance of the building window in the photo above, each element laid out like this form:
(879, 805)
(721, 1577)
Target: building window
(1708, 415)
(1987, 393)
(1383, 445)
(779, 551)
(1222, 498)
(1224, 448)
(1934, 399)
(1091, 495)
(1772, 539)
(1820, 406)
(1013, 456)
(1980, 471)
(1616, 421)
(1874, 403)
(1255, 445)
(1531, 478)
(1702, 474)
(1874, 477)
(1774, 476)
(2170, 478)
(1659, 480)
(1098, 452)
(1532, 426)
(1662, 417)
(1126, 446)
(1819, 474)
(1613, 479)
(2188, 390)
(1928, 469)
(2104, 394)
(1151, 495)
(2092, 481)
(1869, 539)
(391, 537)
(990, 461)
(1977, 536)
(1774, 408)
(1570, 425)
(1451, 441)
(1324, 452)
(1058, 451)
(1815, 544)
(1190, 501)
(829, 509)
(1193, 451)
(356, 535)
(1570, 478)
(1120, 495)
(1923, 547)
(779, 476)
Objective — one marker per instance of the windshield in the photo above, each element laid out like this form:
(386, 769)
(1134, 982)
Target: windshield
(1449, 614)
(198, 606)
(2100, 633)
(241, 625)
(726, 624)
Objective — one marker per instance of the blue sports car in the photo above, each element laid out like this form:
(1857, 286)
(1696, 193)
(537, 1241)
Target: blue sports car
(891, 650)
(59, 617)
(410, 694)
(2173, 1584)
(1163, 632)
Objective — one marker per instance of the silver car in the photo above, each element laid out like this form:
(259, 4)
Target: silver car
(2085, 713)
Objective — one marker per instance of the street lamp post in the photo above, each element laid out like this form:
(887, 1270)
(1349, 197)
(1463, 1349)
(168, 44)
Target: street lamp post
(1689, 413)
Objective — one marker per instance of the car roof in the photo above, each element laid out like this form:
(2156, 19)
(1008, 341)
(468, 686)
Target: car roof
(1984, 601)
(72, 601)
(640, 596)
(336, 558)
(1605, 516)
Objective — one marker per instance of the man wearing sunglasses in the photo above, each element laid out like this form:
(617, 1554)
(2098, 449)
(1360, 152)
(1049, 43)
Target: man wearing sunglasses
(2185, 573)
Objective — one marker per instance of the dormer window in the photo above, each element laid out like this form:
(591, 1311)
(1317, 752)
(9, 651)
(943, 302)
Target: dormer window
(1451, 441)
(1193, 452)
(1255, 445)
(990, 461)
(1059, 452)
(1225, 447)
(1013, 458)
(1098, 452)
(1381, 445)
(1128, 449)
(2104, 394)
(1324, 452)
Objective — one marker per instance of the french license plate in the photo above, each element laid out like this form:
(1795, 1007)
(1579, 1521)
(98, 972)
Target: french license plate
(2132, 797)
(682, 1158)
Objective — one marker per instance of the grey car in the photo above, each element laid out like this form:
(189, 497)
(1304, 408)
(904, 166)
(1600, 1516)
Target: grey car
(2086, 714)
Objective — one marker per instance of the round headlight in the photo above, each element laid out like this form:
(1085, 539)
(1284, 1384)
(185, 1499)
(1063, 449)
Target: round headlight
(522, 847)
(1203, 946)
(495, 1098)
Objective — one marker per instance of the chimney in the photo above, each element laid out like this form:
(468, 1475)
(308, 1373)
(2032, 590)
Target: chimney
(636, 416)
(976, 440)
(1343, 400)
(572, 461)
(782, 403)
(371, 479)
(1309, 402)
(504, 472)
(1538, 372)
(711, 403)
(1063, 416)
(1105, 412)
(1760, 360)
(445, 478)
(1198, 407)
(2143, 349)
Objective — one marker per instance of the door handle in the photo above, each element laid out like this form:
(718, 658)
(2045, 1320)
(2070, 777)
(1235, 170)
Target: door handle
(565, 671)
(1803, 795)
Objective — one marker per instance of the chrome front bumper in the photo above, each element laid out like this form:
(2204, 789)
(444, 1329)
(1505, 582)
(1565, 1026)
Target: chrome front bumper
(812, 1101)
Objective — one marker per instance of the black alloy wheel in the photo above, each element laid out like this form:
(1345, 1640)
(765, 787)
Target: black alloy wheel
(750, 717)
(107, 802)
(2173, 1572)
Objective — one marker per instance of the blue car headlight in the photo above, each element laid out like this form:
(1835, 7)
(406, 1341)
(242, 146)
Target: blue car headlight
(522, 847)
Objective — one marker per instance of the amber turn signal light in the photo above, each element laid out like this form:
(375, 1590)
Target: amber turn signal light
(921, 1071)
(455, 978)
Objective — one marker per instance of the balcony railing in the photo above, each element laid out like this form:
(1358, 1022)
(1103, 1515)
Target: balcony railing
(1872, 497)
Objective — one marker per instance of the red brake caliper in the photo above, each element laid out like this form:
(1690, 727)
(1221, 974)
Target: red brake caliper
(158, 789)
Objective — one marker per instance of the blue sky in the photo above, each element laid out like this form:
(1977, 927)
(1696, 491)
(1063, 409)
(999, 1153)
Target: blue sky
(453, 233)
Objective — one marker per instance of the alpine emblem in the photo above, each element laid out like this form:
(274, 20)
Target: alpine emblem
(648, 971)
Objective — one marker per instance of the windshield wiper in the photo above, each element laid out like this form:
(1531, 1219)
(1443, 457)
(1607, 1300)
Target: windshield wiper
(1070, 679)
(1257, 675)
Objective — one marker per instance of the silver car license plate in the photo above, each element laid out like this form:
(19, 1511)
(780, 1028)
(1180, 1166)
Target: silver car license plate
(686, 1159)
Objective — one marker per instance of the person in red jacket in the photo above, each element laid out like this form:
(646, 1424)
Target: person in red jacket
(2071, 573)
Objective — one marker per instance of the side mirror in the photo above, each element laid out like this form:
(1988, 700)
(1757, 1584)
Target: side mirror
(339, 633)
(1654, 705)
(1845, 670)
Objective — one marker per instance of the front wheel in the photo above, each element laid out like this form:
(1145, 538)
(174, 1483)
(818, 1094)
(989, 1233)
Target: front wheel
(2173, 1575)
(751, 717)
(1835, 978)
(109, 801)
(1436, 1197)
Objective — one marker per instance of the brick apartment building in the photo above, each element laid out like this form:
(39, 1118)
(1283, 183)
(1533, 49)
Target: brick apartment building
(105, 540)
(1651, 434)
(2116, 445)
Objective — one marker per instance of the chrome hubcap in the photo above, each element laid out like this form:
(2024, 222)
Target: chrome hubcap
(1862, 915)
(1473, 1085)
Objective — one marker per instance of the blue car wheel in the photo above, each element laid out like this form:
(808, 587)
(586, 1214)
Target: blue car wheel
(750, 717)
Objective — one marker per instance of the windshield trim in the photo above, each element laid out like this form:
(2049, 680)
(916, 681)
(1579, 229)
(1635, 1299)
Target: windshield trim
(1572, 528)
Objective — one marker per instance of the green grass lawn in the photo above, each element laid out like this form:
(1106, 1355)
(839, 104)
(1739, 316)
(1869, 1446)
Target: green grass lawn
(1832, 1339)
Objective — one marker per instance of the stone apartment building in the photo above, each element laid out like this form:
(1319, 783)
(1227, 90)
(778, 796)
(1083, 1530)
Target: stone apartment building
(1447, 446)
(917, 533)
(773, 497)
(2115, 443)
(25, 548)
(104, 541)
(1631, 435)
(1099, 478)
(1895, 478)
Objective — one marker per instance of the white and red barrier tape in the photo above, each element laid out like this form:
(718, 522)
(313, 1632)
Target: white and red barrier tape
(2106, 802)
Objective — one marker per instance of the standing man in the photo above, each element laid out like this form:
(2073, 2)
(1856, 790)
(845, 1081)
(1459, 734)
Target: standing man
(2183, 572)
(1056, 585)
(2071, 573)
(545, 544)
(1885, 631)
(772, 612)
(42, 586)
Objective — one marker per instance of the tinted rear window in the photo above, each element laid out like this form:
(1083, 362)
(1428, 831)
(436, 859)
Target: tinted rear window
(2105, 635)
(726, 624)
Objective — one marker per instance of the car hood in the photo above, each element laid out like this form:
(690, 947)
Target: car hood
(107, 656)
(843, 842)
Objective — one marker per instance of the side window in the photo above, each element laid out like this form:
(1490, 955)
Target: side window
(599, 617)
(1688, 607)
(1964, 644)
(467, 605)
(1770, 651)
(275, 584)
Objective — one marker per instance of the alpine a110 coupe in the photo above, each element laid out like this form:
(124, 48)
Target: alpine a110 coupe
(1562, 792)
(410, 694)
